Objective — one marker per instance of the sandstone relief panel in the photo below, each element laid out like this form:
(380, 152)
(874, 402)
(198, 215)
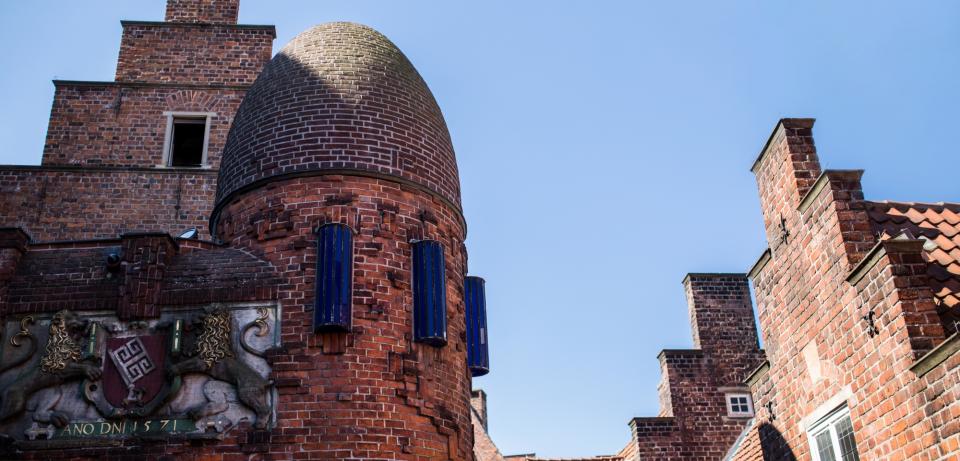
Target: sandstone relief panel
(190, 373)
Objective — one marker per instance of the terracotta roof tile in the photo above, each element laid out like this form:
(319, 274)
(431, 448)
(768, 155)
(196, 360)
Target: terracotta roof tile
(951, 217)
(939, 224)
(933, 216)
(948, 229)
(945, 243)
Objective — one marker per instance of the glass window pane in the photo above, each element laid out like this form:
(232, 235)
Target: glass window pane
(848, 446)
(825, 446)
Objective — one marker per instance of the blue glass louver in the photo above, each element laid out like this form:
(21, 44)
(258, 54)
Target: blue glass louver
(334, 297)
(429, 294)
(478, 353)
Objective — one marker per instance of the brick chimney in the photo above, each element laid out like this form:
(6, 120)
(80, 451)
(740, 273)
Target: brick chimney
(203, 11)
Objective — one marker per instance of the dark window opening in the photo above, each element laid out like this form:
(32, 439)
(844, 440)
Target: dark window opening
(186, 143)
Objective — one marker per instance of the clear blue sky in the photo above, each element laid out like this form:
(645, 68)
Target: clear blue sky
(604, 150)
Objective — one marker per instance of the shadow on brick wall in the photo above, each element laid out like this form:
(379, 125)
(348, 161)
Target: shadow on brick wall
(774, 446)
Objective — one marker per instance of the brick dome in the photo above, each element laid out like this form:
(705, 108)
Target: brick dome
(340, 98)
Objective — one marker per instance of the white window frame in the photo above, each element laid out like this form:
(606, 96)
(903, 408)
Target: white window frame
(168, 137)
(829, 423)
(729, 405)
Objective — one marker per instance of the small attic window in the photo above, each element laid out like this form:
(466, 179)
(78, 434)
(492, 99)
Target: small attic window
(185, 145)
(739, 405)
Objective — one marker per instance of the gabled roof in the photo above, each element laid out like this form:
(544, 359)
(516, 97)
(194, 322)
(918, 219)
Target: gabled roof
(939, 225)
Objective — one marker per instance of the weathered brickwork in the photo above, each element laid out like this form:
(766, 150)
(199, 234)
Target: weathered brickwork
(53, 204)
(222, 54)
(112, 134)
(124, 125)
(101, 210)
(204, 11)
(693, 421)
(425, 390)
(827, 280)
(340, 96)
(76, 275)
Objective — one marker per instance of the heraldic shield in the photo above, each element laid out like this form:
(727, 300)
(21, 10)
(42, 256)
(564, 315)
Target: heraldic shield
(134, 381)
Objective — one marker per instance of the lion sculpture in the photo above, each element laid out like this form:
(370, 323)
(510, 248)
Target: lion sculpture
(214, 356)
(61, 362)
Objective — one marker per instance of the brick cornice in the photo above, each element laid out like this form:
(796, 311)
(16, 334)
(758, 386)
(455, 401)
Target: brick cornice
(782, 123)
(711, 274)
(937, 355)
(878, 252)
(138, 84)
(760, 264)
(822, 182)
(100, 169)
(223, 202)
(680, 352)
(201, 25)
(757, 374)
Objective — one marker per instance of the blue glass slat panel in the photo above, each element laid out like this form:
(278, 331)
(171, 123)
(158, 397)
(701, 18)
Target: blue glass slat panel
(429, 293)
(334, 296)
(478, 353)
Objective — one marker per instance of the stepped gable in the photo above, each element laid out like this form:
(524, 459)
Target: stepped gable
(339, 99)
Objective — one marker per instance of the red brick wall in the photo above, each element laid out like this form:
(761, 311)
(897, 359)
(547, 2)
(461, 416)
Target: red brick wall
(659, 438)
(70, 204)
(206, 11)
(721, 319)
(162, 67)
(160, 52)
(13, 244)
(398, 398)
(108, 124)
(804, 299)
(693, 421)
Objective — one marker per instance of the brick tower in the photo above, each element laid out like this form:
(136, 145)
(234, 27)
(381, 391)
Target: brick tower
(140, 153)
(319, 308)
(340, 129)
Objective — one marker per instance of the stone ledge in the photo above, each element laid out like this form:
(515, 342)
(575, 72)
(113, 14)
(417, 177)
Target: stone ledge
(821, 183)
(758, 373)
(936, 356)
(680, 353)
(112, 169)
(760, 264)
(782, 123)
(878, 252)
(138, 84)
(201, 25)
(733, 275)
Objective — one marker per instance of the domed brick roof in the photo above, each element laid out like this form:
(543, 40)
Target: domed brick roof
(340, 98)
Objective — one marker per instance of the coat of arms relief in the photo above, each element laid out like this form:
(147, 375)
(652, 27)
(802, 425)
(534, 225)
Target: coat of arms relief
(192, 372)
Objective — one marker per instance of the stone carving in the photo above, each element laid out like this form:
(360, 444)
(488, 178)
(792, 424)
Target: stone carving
(15, 342)
(190, 372)
(216, 357)
(59, 364)
(133, 383)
